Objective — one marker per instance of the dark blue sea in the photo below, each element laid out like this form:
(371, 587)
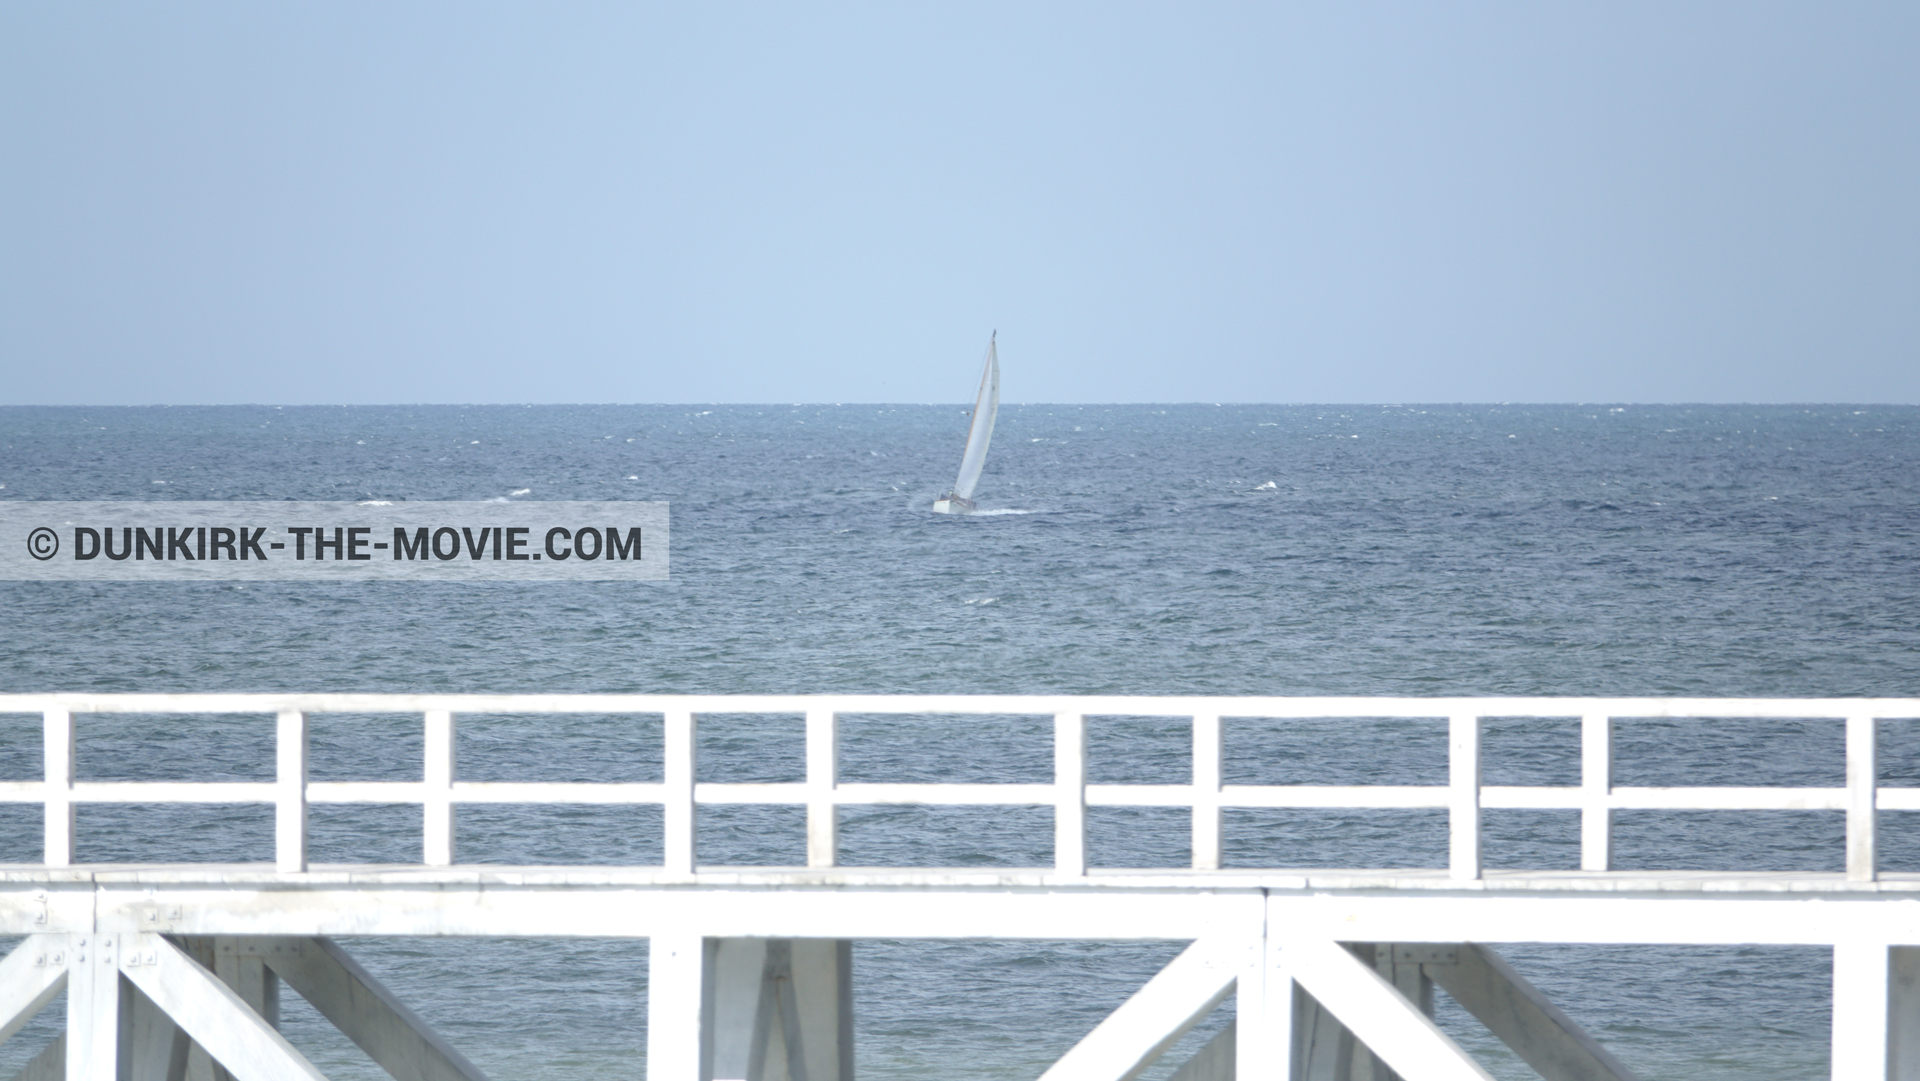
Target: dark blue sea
(1191, 549)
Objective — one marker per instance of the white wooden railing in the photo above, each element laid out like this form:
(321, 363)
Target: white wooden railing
(1069, 794)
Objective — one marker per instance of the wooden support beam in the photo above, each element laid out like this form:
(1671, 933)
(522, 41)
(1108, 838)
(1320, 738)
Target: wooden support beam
(679, 1008)
(1544, 1037)
(1134, 1036)
(93, 1007)
(363, 1008)
(216, 1017)
(30, 976)
(1364, 1001)
(1266, 999)
(1862, 980)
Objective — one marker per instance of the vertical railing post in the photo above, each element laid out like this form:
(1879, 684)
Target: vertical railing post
(1463, 802)
(823, 774)
(679, 758)
(1596, 792)
(437, 832)
(58, 798)
(1862, 778)
(290, 798)
(1070, 794)
(1206, 791)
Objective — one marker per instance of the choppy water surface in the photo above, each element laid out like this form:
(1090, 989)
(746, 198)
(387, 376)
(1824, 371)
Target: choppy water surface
(1154, 550)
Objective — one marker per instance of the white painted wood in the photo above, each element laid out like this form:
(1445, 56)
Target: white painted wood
(1070, 793)
(1512, 1008)
(1207, 751)
(57, 750)
(1903, 1014)
(1393, 1028)
(823, 773)
(290, 803)
(1596, 792)
(212, 1014)
(1213, 1062)
(1265, 1003)
(1463, 796)
(1861, 982)
(364, 1009)
(49, 1065)
(679, 1007)
(1862, 778)
(681, 755)
(31, 975)
(1135, 1035)
(1463, 805)
(992, 903)
(437, 832)
(93, 1007)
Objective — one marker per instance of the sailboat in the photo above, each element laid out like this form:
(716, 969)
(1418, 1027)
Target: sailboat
(959, 498)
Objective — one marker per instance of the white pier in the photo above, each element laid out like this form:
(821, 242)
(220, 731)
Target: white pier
(174, 971)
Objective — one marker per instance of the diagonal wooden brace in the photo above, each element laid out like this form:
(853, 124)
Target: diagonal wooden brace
(1378, 1015)
(359, 1005)
(30, 977)
(1134, 1036)
(1514, 1010)
(215, 1016)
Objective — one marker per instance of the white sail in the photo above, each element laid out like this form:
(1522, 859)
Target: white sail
(974, 459)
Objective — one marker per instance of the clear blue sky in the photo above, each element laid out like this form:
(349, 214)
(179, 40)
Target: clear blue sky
(1340, 202)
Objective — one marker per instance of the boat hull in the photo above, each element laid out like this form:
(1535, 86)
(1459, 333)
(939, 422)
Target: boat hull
(952, 504)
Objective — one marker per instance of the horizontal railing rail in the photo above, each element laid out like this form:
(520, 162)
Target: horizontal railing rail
(1070, 794)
